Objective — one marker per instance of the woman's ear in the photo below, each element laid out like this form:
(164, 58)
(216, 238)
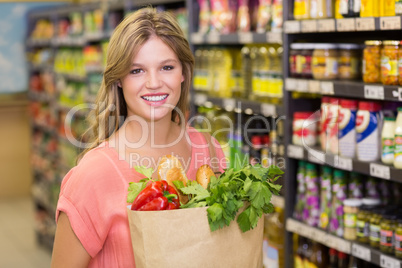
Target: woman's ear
(119, 84)
(182, 78)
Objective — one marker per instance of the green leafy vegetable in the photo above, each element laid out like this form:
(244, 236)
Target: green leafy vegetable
(250, 185)
(135, 188)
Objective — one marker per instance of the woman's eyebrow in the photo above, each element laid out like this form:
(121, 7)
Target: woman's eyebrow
(161, 63)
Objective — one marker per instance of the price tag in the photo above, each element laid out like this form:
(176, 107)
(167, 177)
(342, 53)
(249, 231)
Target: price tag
(314, 86)
(214, 38)
(380, 171)
(320, 236)
(295, 151)
(331, 241)
(302, 85)
(197, 38)
(388, 262)
(390, 23)
(290, 84)
(327, 25)
(344, 163)
(374, 92)
(274, 37)
(292, 26)
(291, 225)
(309, 26)
(365, 24)
(278, 201)
(400, 93)
(327, 88)
(268, 109)
(343, 245)
(245, 38)
(316, 157)
(361, 252)
(346, 25)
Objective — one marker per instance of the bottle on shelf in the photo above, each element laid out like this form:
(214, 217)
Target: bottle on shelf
(387, 141)
(398, 140)
(275, 230)
(319, 258)
(333, 258)
(343, 260)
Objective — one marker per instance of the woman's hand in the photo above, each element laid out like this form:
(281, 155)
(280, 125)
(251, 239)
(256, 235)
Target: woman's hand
(67, 249)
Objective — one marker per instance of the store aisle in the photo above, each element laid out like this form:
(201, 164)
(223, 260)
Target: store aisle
(18, 247)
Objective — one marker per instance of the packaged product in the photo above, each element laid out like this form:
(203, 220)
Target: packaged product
(372, 61)
(222, 17)
(325, 62)
(368, 124)
(387, 8)
(324, 112)
(264, 16)
(296, 60)
(375, 230)
(355, 186)
(243, 17)
(339, 194)
(332, 128)
(385, 192)
(363, 219)
(325, 197)
(277, 15)
(301, 9)
(387, 230)
(312, 195)
(304, 129)
(398, 140)
(349, 61)
(398, 238)
(370, 8)
(371, 187)
(389, 62)
(350, 209)
(301, 192)
(387, 141)
(347, 132)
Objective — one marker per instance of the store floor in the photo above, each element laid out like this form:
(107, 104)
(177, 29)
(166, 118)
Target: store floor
(18, 247)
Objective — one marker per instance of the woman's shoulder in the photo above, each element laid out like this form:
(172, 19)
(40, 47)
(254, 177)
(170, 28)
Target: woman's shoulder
(201, 138)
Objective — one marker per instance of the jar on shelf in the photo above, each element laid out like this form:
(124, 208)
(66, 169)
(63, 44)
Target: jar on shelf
(349, 61)
(304, 129)
(325, 62)
(398, 238)
(363, 219)
(307, 55)
(350, 209)
(375, 221)
(295, 62)
(389, 62)
(372, 61)
(387, 228)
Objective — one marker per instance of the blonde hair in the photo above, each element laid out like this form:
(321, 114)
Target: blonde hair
(127, 39)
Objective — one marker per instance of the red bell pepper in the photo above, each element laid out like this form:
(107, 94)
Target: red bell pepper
(157, 195)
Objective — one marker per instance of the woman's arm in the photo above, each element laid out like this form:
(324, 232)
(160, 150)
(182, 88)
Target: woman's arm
(67, 249)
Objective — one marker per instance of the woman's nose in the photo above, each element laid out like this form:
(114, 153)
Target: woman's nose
(153, 81)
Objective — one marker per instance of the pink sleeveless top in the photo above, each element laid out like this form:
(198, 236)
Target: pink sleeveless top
(93, 195)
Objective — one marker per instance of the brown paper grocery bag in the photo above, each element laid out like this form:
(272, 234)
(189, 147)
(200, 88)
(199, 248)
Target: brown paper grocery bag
(182, 238)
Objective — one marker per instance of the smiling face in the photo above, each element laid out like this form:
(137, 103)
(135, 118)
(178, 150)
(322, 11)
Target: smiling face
(153, 86)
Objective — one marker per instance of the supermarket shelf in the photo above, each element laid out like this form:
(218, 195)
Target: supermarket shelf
(345, 89)
(39, 42)
(238, 105)
(375, 169)
(41, 67)
(356, 249)
(78, 41)
(237, 38)
(67, 109)
(343, 25)
(94, 69)
(96, 37)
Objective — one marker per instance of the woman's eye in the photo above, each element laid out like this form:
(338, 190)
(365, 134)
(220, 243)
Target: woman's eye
(167, 68)
(135, 71)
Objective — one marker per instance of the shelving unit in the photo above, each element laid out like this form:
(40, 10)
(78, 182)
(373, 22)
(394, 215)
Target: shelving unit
(348, 30)
(51, 164)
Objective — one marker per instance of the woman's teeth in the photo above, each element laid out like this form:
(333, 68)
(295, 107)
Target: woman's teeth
(154, 98)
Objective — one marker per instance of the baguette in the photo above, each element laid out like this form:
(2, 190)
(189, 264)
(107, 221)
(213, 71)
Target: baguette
(170, 169)
(204, 174)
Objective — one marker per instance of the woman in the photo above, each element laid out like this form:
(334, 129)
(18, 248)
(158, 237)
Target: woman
(139, 119)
